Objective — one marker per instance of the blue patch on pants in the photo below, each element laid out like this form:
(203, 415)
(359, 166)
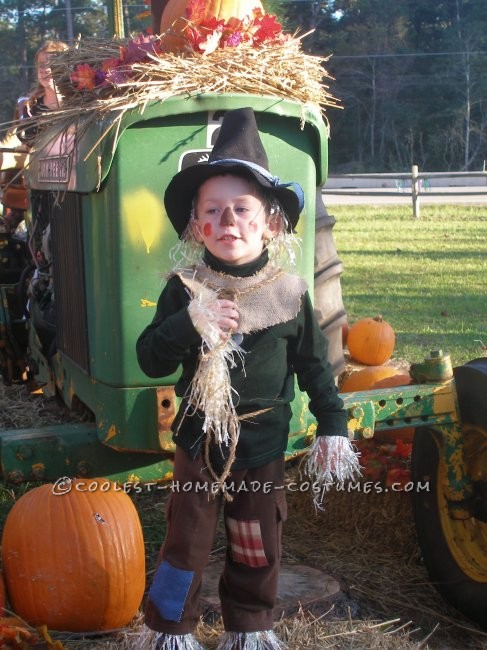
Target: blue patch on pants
(169, 590)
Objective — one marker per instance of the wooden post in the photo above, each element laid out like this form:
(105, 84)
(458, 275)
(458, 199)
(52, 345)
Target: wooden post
(415, 191)
(115, 18)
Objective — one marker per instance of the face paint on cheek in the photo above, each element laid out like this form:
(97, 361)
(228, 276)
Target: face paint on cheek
(207, 229)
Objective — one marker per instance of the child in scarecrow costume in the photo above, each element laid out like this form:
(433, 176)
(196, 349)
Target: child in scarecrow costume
(241, 328)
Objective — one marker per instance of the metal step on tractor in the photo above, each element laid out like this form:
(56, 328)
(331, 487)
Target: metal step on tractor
(80, 284)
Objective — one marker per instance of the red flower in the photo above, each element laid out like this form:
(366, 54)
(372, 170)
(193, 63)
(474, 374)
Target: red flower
(402, 449)
(108, 64)
(206, 36)
(83, 77)
(211, 24)
(193, 36)
(268, 29)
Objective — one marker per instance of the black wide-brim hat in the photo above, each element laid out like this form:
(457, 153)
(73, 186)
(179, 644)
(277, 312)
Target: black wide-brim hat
(238, 149)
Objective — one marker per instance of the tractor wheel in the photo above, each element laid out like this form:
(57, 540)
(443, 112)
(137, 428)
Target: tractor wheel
(328, 300)
(455, 551)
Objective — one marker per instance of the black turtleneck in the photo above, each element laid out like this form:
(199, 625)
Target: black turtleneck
(265, 383)
(236, 270)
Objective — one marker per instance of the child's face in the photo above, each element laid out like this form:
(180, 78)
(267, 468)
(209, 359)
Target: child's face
(230, 219)
(44, 74)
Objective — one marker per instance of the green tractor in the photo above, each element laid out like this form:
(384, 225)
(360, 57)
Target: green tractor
(70, 317)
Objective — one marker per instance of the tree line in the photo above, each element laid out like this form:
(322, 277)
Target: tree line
(409, 74)
(411, 78)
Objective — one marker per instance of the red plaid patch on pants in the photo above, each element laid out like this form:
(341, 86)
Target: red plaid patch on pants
(246, 542)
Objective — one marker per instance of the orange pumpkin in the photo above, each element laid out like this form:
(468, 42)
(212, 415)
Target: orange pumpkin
(74, 561)
(371, 341)
(175, 16)
(366, 378)
(3, 595)
(406, 434)
(400, 379)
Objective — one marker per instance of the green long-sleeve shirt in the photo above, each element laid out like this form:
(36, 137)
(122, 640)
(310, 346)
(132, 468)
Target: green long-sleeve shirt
(273, 357)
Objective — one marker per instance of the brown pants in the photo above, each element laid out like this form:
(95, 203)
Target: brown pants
(253, 522)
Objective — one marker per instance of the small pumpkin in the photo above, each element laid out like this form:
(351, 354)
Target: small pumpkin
(371, 341)
(406, 434)
(74, 561)
(179, 14)
(366, 378)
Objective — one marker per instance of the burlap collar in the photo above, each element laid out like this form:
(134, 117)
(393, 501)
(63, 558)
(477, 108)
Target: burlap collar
(267, 298)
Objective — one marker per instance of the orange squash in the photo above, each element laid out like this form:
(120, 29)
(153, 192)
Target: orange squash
(3, 595)
(400, 379)
(74, 561)
(371, 341)
(177, 13)
(366, 378)
(406, 434)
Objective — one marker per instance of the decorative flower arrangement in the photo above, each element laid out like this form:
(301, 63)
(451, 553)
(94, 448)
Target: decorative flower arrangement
(207, 34)
(387, 463)
(201, 36)
(197, 55)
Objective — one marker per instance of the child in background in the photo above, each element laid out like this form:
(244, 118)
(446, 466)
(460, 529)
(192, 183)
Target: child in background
(241, 329)
(45, 96)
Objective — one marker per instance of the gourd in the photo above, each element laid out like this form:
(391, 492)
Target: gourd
(74, 561)
(177, 13)
(367, 378)
(219, 9)
(371, 341)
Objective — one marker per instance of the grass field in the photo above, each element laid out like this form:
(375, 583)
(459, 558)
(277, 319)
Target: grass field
(427, 277)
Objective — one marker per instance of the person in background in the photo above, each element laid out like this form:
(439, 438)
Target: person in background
(15, 145)
(45, 96)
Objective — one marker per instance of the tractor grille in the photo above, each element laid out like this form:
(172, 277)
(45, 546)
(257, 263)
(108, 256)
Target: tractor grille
(69, 279)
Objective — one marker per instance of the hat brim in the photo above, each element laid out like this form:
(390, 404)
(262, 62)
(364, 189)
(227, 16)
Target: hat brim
(178, 198)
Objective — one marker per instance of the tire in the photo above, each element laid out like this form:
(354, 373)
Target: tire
(455, 551)
(328, 301)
